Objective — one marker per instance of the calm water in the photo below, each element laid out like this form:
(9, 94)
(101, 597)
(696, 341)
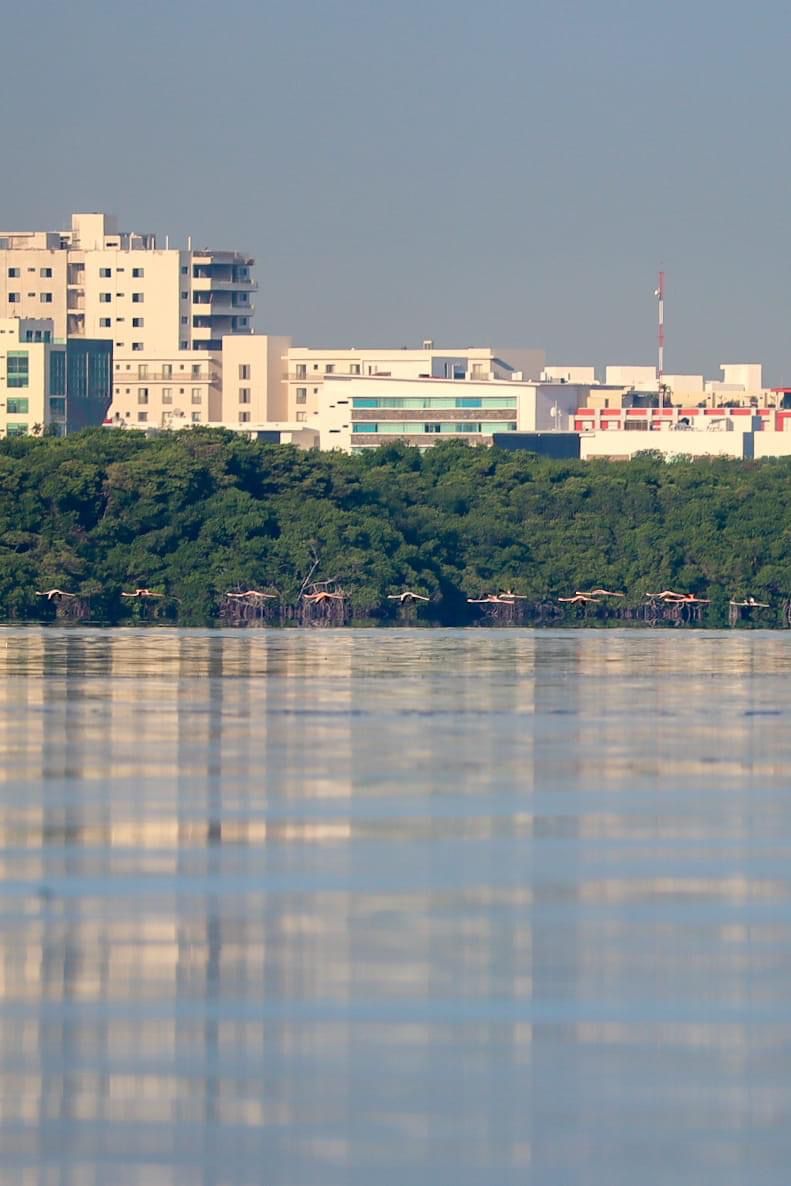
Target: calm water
(395, 908)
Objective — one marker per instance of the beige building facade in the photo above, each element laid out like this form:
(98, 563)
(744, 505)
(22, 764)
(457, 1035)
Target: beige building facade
(153, 303)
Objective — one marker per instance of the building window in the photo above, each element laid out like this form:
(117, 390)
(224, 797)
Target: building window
(302, 416)
(302, 370)
(142, 417)
(354, 368)
(185, 271)
(185, 296)
(167, 370)
(184, 346)
(365, 426)
(137, 346)
(197, 396)
(16, 430)
(105, 322)
(167, 395)
(45, 273)
(196, 417)
(196, 370)
(14, 298)
(142, 370)
(302, 395)
(105, 273)
(45, 298)
(18, 368)
(57, 372)
(137, 273)
(137, 298)
(13, 273)
(142, 395)
(431, 428)
(105, 298)
(57, 406)
(329, 369)
(244, 417)
(17, 405)
(244, 370)
(137, 322)
(184, 321)
(244, 395)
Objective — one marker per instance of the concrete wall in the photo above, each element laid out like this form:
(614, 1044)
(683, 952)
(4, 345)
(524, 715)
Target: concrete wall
(625, 444)
(569, 374)
(642, 377)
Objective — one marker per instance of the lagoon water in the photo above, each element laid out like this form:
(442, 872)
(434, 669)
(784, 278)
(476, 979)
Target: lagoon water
(395, 908)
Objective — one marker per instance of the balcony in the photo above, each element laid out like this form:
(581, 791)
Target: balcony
(213, 284)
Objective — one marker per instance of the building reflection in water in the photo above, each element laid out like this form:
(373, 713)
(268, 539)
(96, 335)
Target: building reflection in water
(403, 907)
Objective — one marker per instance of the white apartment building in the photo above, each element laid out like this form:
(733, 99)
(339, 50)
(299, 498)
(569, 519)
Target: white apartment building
(308, 367)
(154, 303)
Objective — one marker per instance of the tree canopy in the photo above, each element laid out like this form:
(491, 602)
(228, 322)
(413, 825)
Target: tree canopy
(200, 512)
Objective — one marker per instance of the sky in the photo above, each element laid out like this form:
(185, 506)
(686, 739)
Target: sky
(513, 172)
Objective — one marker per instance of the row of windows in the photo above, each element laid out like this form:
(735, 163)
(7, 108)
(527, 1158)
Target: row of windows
(166, 372)
(106, 273)
(453, 426)
(490, 402)
(106, 322)
(167, 395)
(106, 297)
(330, 368)
(44, 273)
(142, 417)
(15, 298)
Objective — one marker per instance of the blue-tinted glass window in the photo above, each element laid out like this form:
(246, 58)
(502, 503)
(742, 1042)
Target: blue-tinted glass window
(57, 372)
(18, 370)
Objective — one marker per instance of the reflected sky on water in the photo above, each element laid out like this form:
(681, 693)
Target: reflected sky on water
(395, 907)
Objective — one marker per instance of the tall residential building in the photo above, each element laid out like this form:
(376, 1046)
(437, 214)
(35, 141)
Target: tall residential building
(47, 385)
(153, 303)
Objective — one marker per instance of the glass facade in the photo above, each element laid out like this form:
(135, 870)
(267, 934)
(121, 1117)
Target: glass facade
(57, 372)
(89, 365)
(423, 427)
(18, 369)
(493, 403)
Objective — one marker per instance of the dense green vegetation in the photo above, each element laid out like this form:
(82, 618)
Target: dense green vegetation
(197, 513)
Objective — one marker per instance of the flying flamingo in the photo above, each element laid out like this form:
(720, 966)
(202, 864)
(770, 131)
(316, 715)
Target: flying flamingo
(143, 593)
(599, 593)
(251, 593)
(580, 599)
(406, 597)
(53, 594)
(322, 596)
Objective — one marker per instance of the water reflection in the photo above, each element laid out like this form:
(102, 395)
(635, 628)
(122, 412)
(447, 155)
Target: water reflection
(394, 907)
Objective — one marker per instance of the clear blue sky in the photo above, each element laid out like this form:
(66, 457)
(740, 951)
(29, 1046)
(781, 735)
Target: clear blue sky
(507, 172)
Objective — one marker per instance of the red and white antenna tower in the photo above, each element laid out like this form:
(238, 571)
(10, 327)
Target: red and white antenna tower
(660, 296)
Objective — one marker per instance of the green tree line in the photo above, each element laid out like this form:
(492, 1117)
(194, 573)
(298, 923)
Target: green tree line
(200, 512)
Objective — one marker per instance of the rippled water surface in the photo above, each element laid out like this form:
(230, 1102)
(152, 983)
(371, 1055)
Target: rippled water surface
(395, 908)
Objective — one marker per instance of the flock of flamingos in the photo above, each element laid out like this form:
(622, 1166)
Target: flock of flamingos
(408, 597)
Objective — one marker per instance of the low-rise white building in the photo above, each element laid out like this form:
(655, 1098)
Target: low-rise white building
(363, 412)
(308, 367)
